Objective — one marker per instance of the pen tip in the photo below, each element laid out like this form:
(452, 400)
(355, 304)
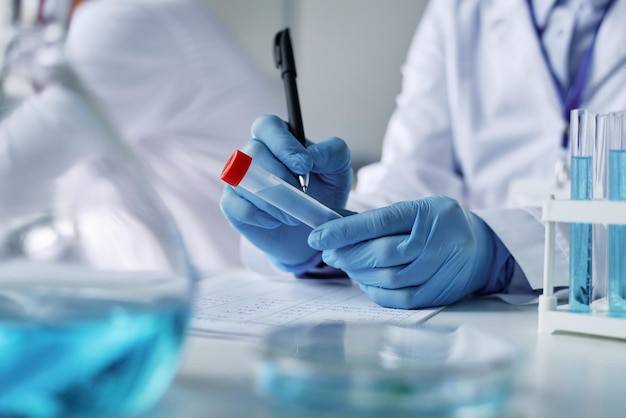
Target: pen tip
(304, 182)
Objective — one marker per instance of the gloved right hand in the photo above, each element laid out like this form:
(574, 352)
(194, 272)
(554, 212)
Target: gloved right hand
(414, 254)
(280, 236)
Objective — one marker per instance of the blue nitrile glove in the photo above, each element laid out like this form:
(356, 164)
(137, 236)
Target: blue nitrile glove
(280, 236)
(416, 254)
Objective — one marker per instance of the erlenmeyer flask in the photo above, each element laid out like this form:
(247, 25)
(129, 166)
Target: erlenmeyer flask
(95, 282)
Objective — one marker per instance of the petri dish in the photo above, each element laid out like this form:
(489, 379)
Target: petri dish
(392, 369)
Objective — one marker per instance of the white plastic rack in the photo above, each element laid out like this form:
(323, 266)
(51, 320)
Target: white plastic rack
(553, 318)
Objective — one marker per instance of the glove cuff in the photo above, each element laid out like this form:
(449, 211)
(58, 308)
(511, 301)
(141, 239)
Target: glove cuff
(501, 270)
(501, 263)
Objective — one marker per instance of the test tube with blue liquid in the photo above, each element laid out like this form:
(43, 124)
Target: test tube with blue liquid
(600, 231)
(241, 171)
(582, 141)
(617, 233)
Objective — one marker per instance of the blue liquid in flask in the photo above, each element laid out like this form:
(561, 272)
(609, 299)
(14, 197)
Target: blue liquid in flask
(617, 236)
(68, 356)
(580, 239)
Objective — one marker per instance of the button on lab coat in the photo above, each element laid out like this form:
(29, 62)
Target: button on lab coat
(478, 115)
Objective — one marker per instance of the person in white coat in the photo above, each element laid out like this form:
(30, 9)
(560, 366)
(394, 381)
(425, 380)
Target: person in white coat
(183, 93)
(476, 136)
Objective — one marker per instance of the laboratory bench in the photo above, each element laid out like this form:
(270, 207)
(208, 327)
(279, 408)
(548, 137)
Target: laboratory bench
(561, 375)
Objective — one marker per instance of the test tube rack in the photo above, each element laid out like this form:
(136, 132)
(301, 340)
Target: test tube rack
(558, 318)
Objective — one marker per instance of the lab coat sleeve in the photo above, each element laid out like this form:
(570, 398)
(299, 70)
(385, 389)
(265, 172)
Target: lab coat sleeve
(42, 139)
(143, 75)
(184, 95)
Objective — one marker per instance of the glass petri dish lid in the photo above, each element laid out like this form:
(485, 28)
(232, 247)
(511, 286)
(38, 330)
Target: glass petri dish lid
(376, 368)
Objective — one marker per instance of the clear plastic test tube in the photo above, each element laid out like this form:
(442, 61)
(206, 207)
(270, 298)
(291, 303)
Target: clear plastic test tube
(617, 233)
(600, 231)
(241, 171)
(582, 140)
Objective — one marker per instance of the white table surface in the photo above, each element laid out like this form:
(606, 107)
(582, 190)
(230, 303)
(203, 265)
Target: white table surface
(562, 375)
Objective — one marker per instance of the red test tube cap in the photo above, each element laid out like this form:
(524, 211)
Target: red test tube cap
(236, 168)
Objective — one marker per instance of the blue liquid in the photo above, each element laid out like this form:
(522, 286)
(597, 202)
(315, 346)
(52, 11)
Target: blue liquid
(65, 356)
(617, 235)
(580, 239)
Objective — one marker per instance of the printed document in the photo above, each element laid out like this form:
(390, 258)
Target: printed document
(243, 303)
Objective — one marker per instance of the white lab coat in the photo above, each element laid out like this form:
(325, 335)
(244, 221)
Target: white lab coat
(184, 95)
(478, 113)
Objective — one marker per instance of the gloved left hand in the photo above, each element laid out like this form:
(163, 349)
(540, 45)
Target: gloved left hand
(415, 254)
(280, 236)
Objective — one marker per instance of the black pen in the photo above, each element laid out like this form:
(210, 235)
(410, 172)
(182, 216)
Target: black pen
(283, 58)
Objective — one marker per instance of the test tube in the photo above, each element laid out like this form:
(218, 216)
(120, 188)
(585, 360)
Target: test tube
(582, 139)
(617, 233)
(241, 171)
(600, 231)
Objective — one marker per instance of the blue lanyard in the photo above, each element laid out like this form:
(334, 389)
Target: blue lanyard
(570, 97)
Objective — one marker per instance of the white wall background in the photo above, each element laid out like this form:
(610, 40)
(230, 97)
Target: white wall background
(348, 55)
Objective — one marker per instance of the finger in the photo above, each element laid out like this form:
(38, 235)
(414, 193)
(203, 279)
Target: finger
(406, 298)
(418, 257)
(242, 209)
(274, 133)
(391, 220)
(330, 156)
(391, 298)
(333, 171)
(389, 258)
(443, 288)
(380, 252)
(392, 277)
(263, 157)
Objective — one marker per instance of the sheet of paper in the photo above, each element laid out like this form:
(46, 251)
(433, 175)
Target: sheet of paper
(241, 303)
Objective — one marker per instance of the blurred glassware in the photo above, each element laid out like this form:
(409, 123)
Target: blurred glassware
(388, 370)
(95, 281)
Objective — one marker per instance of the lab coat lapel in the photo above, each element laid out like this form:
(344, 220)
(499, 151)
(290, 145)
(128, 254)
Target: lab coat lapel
(512, 20)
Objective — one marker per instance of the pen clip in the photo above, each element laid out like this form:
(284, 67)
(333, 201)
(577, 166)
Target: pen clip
(283, 53)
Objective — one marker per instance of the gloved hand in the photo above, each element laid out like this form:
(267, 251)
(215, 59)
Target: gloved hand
(280, 236)
(415, 254)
